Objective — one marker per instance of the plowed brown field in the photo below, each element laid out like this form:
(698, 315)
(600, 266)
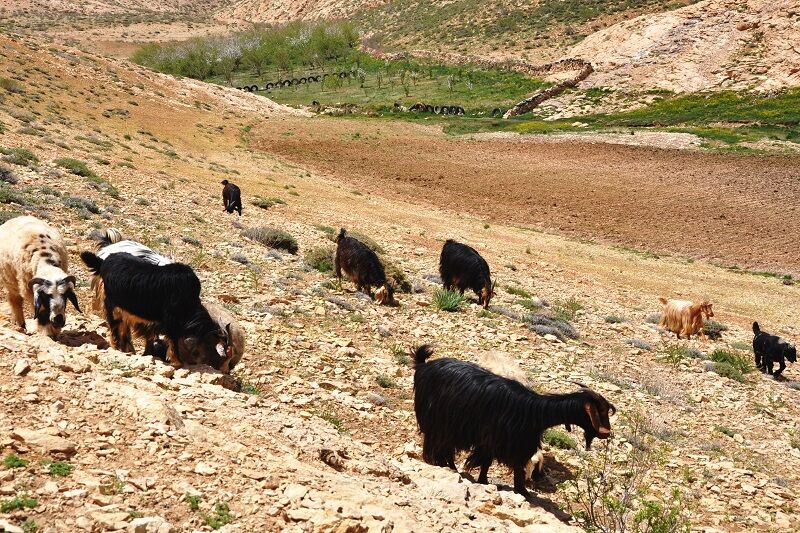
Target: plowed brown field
(735, 209)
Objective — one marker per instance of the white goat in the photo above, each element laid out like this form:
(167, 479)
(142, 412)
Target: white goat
(33, 268)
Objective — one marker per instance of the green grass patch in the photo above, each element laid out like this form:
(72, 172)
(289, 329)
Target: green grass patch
(192, 500)
(567, 309)
(320, 258)
(75, 166)
(272, 238)
(334, 420)
(14, 461)
(58, 468)
(559, 439)
(19, 156)
(731, 364)
(446, 300)
(20, 502)
(266, 203)
(219, 517)
(386, 382)
(518, 291)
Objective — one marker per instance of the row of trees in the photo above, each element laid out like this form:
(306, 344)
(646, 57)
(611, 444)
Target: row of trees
(259, 49)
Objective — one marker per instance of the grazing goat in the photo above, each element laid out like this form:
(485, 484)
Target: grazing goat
(33, 267)
(363, 267)
(111, 242)
(152, 300)
(231, 197)
(502, 365)
(683, 317)
(770, 349)
(462, 267)
(463, 407)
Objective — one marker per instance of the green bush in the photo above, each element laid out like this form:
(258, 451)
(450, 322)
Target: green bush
(320, 258)
(19, 156)
(76, 202)
(75, 166)
(266, 203)
(220, 517)
(14, 461)
(447, 300)
(559, 439)
(272, 238)
(20, 502)
(731, 364)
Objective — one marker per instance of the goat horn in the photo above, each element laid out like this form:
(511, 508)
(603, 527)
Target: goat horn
(579, 384)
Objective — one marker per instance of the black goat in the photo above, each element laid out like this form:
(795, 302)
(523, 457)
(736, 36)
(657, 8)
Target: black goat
(153, 300)
(770, 349)
(363, 267)
(463, 407)
(462, 267)
(231, 197)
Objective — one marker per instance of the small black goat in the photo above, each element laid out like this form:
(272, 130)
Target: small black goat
(231, 197)
(463, 407)
(770, 349)
(153, 300)
(462, 267)
(363, 267)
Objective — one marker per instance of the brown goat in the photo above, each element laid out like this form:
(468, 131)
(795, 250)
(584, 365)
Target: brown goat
(683, 317)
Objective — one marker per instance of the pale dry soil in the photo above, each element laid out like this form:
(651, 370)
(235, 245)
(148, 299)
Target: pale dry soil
(141, 436)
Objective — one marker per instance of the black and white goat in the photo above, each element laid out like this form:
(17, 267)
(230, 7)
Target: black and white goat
(462, 267)
(463, 407)
(231, 197)
(363, 267)
(151, 300)
(33, 267)
(111, 242)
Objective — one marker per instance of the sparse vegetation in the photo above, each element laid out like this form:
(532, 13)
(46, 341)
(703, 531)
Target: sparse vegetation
(58, 468)
(266, 203)
(566, 310)
(731, 364)
(613, 319)
(386, 382)
(81, 204)
(320, 258)
(219, 517)
(22, 501)
(272, 238)
(447, 300)
(638, 343)
(192, 500)
(19, 156)
(714, 329)
(559, 439)
(14, 461)
(518, 291)
(75, 166)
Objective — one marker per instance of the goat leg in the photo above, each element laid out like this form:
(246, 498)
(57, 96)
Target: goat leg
(172, 353)
(17, 303)
(519, 481)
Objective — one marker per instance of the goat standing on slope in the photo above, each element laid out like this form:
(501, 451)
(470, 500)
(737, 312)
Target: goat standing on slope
(153, 300)
(683, 317)
(462, 267)
(463, 407)
(231, 197)
(33, 267)
(363, 267)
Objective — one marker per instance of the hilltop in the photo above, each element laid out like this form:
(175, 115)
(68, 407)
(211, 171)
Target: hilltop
(316, 430)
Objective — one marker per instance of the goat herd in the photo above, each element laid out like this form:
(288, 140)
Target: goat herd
(460, 406)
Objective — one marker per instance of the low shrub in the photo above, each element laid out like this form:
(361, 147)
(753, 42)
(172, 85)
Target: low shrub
(518, 291)
(320, 258)
(559, 439)
(76, 202)
(543, 324)
(266, 203)
(567, 309)
(613, 319)
(741, 362)
(714, 329)
(638, 343)
(446, 300)
(7, 175)
(75, 166)
(19, 156)
(272, 238)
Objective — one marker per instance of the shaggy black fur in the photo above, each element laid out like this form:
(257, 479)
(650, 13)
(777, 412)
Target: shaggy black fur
(231, 197)
(770, 349)
(361, 266)
(462, 267)
(166, 298)
(463, 407)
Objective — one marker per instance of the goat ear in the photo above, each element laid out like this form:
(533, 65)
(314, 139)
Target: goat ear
(36, 281)
(228, 331)
(591, 410)
(73, 298)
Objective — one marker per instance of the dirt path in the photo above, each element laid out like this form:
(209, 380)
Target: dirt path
(738, 210)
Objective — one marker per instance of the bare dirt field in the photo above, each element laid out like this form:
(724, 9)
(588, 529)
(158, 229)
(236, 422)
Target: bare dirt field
(736, 210)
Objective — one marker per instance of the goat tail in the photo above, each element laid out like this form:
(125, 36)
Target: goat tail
(421, 354)
(92, 262)
(342, 234)
(756, 328)
(106, 237)
(663, 300)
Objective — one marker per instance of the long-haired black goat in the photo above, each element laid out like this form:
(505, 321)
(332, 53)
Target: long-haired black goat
(153, 300)
(363, 267)
(462, 267)
(463, 407)
(231, 197)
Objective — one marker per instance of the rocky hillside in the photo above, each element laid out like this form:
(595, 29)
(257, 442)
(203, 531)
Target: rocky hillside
(714, 44)
(316, 431)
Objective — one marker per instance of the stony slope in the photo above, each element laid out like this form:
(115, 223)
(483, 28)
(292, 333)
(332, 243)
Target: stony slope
(714, 44)
(144, 436)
